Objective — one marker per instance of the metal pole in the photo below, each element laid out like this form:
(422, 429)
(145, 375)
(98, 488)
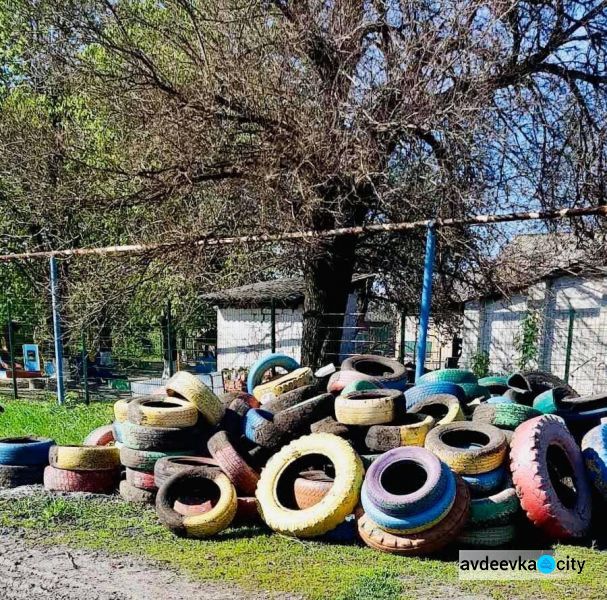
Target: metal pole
(426, 301)
(273, 326)
(85, 371)
(569, 344)
(57, 332)
(169, 341)
(11, 349)
(403, 324)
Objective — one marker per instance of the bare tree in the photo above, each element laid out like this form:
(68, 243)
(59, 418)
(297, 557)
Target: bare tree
(313, 114)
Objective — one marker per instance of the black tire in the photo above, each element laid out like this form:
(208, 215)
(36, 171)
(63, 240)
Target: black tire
(387, 371)
(289, 399)
(330, 425)
(381, 438)
(15, 475)
(297, 419)
(168, 466)
(130, 493)
(538, 382)
(167, 439)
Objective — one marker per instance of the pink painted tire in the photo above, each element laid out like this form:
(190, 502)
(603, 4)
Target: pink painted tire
(340, 379)
(102, 436)
(240, 473)
(95, 482)
(144, 480)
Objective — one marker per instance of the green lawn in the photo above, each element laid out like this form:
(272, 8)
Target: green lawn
(253, 557)
(67, 424)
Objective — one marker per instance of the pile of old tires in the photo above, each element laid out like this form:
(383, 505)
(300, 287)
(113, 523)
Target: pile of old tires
(364, 455)
(151, 428)
(22, 460)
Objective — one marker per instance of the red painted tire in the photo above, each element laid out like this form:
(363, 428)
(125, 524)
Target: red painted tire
(187, 509)
(102, 436)
(232, 463)
(311, 487)
(96, 482)
(144, 480)
(549, 477)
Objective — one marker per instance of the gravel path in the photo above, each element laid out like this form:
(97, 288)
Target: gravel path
(37, 572)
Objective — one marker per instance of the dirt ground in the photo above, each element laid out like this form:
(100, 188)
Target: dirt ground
(32, 573)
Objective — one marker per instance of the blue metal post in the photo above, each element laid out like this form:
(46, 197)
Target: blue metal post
(424, 312)
(57, 333)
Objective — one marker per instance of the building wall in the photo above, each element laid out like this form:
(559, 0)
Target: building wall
(244, 335)
(492, 326)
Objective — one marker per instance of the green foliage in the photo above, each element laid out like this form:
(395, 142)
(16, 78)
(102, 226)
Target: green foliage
(479, 363)
(526, 340)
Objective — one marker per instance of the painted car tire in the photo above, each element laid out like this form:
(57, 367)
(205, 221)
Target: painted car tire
(394, 374)
(190, 388)
(264, 364)
(487, 456)
(25, 450)
(333, 508)
(530, 465)
(443, 408)
(420, 544)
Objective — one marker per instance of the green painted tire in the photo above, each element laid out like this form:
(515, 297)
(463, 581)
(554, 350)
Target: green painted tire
(497, 384)
(504, 416)
(359, 386)
(474, 390)
(497, 509)
(545, 403)
(451, 375)
(488, 537)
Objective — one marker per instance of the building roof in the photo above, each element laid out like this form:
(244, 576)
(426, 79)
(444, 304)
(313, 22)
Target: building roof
(284, 292)
(531, 258)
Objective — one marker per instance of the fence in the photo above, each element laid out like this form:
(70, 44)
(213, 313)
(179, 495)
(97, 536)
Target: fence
(559, 326)
(135, 360)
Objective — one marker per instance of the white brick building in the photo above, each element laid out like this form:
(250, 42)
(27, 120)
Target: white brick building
(570, 299)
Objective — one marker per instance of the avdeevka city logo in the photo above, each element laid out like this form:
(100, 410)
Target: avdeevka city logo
(546, 564)
(512, 564)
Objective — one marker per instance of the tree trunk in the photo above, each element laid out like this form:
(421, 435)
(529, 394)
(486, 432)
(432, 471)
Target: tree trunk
(328, 278)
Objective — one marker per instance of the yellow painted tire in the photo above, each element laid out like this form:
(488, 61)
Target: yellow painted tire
(443, 408)
(157, 411)
(335, 506)
(367, 407)
(202, 525)
(188, 386)
(285, 383)
(84, 458)
(121, 408)
(415, 433)
(486, 451)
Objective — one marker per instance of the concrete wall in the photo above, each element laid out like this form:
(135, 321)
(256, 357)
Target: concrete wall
(492, 326)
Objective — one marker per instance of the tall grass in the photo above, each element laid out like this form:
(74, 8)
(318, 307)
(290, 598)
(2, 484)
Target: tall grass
(68, 424)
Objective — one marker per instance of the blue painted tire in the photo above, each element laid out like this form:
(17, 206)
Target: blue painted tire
(484, 483)
(500, 400)
(344, 533)
(259, 428)
(24, 451)
(412, 523)
(117, 427)
(594, 451)
(260, 366)
(422, 391)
